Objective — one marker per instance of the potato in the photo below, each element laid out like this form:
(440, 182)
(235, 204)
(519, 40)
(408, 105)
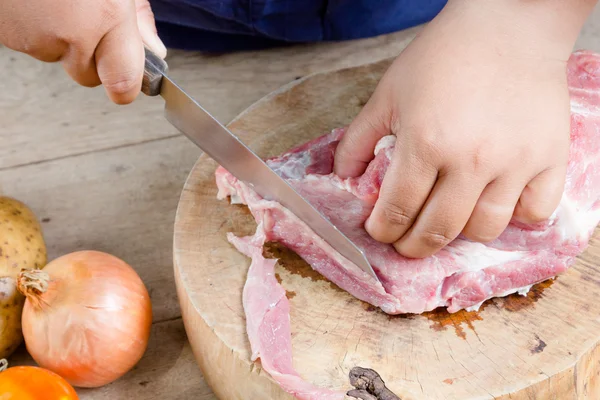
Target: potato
(21, 246)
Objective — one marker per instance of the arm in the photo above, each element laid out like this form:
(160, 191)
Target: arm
(542, 27)
(480, 107)
(97, 41)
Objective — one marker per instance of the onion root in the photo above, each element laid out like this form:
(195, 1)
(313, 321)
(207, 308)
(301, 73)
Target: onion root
(32, 282)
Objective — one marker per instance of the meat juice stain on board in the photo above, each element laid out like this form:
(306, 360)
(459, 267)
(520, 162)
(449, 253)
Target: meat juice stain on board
(440, 318)
(290, 294)
(294, 264)
(516, 302)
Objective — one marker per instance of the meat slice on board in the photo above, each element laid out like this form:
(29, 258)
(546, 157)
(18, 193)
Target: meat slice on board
(461, 276)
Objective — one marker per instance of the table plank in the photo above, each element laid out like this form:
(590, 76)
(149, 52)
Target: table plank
(47, 116)
(120, 201)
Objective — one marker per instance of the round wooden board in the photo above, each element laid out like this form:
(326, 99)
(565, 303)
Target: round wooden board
(544, 345)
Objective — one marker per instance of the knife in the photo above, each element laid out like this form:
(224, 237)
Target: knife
(225, 148)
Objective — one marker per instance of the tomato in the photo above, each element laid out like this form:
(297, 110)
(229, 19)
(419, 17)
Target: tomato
(34, 383)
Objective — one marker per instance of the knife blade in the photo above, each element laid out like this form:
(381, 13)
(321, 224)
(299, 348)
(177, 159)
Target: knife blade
(183, 112)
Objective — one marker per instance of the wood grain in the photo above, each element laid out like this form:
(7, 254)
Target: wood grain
(539, 346)
(49, 121)
(126, 209)
(46, 114)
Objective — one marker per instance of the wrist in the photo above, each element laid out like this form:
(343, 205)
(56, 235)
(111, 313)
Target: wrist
(545, 28)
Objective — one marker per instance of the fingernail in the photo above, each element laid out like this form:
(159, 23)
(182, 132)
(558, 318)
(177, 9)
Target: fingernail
(368, 225)
(151, 39)
(157, 45)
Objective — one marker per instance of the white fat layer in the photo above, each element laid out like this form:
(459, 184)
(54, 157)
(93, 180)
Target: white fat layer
(522, 291)
(572, 222)
(295, 166)
(582, 108)
(474, 307)
(235, 199)
(476, 256)
(385, 142)
(342, 184)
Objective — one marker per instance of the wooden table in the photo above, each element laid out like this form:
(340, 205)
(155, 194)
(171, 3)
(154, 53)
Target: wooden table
(108, 178)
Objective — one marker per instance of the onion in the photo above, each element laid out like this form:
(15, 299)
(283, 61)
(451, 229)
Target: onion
(87, 317)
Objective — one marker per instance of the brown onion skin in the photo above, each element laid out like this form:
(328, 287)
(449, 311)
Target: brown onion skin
(92, 324)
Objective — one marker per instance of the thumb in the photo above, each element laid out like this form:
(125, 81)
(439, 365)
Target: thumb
(357, 147)
(147, 28)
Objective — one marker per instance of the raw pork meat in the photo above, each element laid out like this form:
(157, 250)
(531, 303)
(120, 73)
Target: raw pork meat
(269, 331)
(462, 275)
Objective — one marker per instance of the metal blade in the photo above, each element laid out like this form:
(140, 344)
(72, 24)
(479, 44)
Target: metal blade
(226, 149)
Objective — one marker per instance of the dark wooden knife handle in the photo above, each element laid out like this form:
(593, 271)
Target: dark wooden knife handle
(154, 69)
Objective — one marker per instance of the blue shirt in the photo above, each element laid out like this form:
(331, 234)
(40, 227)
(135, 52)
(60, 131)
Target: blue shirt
(230, 25)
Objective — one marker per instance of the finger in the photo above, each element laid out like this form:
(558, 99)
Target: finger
(405, 188)
(147, 28)
(493, 211)
(80, 65)
(443, 217)
(120, 61)
(541, 196)
(356, 149)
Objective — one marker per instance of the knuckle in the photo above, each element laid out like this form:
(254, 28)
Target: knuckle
(536, 212)
(524, 155)
(143, 7)
(478, 162)
(428, 139)
(396, 215)
(113, 10)
(482, 235)
(120, 87)
(122, 83)
(537, 207)
(487, 223)
(435, 239)
(428, 143)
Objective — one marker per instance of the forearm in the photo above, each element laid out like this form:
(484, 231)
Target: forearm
(548, 27)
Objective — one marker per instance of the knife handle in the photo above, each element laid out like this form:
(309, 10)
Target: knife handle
(154, 68)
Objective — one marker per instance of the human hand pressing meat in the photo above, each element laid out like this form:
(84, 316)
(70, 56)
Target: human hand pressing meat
(480, 108)
(97, 41)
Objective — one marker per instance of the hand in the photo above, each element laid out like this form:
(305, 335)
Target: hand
(480, 109)
(97, 41)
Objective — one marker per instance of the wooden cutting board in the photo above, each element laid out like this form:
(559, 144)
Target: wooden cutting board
(541, 346)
